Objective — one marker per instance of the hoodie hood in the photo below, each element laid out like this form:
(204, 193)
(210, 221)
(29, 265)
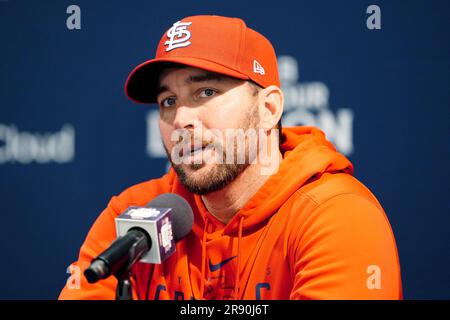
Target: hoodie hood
(306, 155)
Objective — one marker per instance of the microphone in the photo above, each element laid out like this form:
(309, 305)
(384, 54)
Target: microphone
(146, 234)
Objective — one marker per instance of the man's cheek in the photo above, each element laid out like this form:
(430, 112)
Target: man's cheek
(167, 144)
(165, 132)
(166, 117)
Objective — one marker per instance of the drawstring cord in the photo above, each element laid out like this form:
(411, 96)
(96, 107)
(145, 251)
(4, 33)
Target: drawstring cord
(202, 284)
(238, 271)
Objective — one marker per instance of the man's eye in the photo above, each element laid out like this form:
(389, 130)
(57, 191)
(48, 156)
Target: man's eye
(205, 93)
(168, 102)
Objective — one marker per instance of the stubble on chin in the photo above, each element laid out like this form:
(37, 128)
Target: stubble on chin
(202, 179)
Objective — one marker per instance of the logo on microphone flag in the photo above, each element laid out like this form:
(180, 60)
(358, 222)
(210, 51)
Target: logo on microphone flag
(157, 222)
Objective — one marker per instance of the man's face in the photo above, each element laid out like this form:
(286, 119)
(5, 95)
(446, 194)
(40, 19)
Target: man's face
(204, 106)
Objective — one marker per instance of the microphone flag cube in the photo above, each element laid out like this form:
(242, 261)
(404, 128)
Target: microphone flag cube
(157, 222)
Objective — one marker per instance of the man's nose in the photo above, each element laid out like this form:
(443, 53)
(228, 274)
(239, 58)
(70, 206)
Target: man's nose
(186, 118)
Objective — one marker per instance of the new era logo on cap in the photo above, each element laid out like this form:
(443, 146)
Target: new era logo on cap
(257, 68)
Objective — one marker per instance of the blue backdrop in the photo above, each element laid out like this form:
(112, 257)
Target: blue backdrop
(70, 139)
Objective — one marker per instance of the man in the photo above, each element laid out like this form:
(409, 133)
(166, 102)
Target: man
(288, 222)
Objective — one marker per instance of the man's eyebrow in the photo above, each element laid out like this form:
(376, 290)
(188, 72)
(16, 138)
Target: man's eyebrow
(208, 76)
(204, 77)
(161, 89)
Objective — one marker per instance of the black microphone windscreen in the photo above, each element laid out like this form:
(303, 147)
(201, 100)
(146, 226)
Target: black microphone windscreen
(182, 215)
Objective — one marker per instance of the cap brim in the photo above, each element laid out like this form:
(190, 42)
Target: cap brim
(142, 82)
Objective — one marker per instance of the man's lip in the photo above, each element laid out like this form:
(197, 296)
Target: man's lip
(192, 152)
(193, 149)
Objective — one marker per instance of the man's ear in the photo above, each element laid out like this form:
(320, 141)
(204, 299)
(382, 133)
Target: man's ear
(272, 106)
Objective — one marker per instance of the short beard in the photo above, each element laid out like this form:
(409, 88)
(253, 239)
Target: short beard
(220, 175)
(217, 178)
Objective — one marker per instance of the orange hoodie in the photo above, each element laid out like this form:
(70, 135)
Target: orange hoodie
(311, 232)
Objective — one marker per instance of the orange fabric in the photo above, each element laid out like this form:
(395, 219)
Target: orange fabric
(311, 232)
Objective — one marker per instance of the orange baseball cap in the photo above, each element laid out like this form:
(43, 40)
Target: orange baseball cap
(213, 43)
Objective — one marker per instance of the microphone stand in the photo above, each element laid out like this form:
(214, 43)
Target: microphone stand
(124, 287)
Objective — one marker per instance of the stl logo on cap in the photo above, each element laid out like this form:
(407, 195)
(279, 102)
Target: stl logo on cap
(178, 35)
